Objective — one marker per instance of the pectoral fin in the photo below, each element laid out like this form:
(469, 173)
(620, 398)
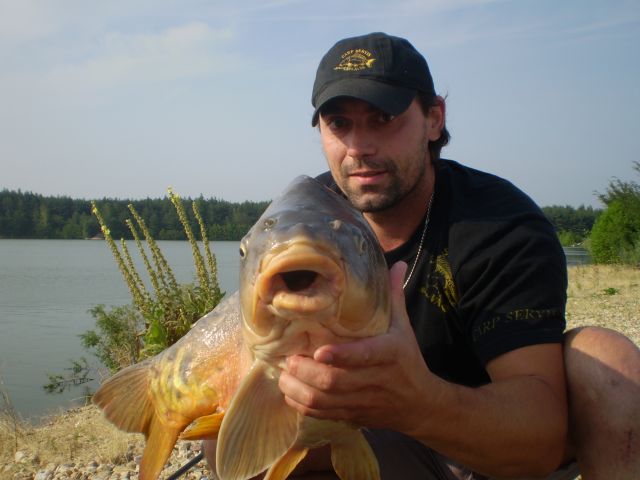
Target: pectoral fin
(353, 458)
(287, 463)
(203, 428)
(258, 427)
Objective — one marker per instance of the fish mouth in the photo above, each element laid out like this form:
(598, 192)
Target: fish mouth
(299, 281)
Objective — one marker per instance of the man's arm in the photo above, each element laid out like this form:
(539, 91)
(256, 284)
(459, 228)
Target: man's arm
(514, 426)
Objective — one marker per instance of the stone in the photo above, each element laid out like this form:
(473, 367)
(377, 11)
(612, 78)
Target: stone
(43, 475)
(20, 456)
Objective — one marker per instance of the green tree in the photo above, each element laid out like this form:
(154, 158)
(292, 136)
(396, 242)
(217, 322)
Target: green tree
(615, 237)
(29, 215)
(573, 225)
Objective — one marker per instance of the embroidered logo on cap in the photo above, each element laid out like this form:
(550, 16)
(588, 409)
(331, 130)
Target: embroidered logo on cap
(355, 60)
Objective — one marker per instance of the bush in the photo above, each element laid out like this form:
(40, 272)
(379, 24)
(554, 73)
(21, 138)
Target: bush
(116, 342)
(615, 237)
(568, 238)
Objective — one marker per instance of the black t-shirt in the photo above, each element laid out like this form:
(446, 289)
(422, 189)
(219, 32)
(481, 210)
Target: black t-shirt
(491, 277)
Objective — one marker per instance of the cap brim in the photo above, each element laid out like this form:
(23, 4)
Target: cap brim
(389, 98)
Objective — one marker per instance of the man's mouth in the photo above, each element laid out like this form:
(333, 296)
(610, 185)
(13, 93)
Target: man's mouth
(368, 176)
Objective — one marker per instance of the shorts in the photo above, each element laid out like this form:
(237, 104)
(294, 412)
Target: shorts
(402, 457)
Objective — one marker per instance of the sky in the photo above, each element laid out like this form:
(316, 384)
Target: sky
(126, 98)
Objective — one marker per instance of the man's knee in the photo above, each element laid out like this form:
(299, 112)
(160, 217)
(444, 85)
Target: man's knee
(597, 354)
(603, 379)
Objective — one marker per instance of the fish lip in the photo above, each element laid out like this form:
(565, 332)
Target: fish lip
(323, 294)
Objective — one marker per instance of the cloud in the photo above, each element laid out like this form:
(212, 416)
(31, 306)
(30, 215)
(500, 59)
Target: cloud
(120, 59)
(23, 20)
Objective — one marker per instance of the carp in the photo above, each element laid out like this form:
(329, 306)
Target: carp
(311, 273)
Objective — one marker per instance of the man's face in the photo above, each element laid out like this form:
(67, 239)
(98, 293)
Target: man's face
(376, 159)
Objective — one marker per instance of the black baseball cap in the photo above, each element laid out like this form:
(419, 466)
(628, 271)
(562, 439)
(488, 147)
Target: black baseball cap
(381, 69)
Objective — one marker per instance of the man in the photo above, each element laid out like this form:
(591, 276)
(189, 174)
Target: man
(469, 382)
(473, 368)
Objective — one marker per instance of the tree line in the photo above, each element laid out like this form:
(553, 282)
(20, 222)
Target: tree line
(612, 234)
(573, 225)
(30, 215)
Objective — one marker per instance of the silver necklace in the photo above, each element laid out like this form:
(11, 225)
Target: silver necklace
(424, 232)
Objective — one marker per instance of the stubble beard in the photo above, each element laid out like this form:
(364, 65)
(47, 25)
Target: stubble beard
(371, 199)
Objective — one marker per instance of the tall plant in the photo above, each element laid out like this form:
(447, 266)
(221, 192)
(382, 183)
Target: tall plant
(158, 316)
(170, 309)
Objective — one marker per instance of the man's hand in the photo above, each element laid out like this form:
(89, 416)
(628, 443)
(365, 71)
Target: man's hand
(375, 381)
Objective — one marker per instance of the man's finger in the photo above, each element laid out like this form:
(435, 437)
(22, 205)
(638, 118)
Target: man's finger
(396, 276)
(399, 316)
(378, 350)
(315, 397)
(330, 378)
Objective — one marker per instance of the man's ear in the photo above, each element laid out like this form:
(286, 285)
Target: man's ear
(435, 119)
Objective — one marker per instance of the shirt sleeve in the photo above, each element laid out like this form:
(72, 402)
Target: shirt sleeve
(511, 276)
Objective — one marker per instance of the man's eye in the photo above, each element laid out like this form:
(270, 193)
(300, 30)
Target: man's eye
(385, 117)
(337, 123)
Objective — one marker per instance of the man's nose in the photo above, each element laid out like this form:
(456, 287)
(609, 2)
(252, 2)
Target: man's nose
(361, 142)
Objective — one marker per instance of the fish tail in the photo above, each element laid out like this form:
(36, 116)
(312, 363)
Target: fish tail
(353, 458)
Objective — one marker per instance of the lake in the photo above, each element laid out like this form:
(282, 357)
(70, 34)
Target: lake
(46, 290)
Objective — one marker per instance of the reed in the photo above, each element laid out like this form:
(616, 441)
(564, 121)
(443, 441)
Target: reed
(170, 309)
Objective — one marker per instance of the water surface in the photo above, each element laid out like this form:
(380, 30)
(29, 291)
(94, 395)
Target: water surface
(47, 288)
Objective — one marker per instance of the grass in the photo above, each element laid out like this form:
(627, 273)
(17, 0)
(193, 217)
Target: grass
(77, 436)
(598, 295)
(606, 296)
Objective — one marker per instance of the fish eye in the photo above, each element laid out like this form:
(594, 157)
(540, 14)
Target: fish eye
(335, 224)
(243, 251)
(269, 222)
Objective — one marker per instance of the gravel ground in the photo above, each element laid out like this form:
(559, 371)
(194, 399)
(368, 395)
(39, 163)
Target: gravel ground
(80, 444)
(25, 466)
(606, 296)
